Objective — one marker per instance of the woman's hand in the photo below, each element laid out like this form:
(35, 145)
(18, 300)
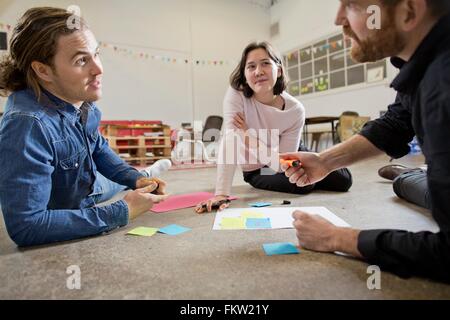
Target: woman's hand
(239, 122)
(210, 202)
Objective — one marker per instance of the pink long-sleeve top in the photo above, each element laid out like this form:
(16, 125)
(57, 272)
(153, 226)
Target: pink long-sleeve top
(289, 123)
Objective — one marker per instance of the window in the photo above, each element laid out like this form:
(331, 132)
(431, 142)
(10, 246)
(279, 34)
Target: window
(337, 79)
(307, 86)
(321, 83)
(320, 49)
(336, 43)
(292, 59)
(306, 70)
(320, 66)
(305, 54)
(376, 72)
(293, 74)
(294, 88)
(337, 61)
(355, 75)
(326, 64)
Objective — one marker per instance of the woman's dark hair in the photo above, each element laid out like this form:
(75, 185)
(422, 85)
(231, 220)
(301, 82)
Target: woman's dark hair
(34, 39)
(237, 78)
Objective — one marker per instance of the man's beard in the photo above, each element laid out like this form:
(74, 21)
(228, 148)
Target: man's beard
(383, 43)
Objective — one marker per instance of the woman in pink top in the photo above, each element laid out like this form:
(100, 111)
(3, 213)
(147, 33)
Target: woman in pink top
(262, 120)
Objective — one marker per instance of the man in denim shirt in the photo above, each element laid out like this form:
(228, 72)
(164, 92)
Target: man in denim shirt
(51, 151)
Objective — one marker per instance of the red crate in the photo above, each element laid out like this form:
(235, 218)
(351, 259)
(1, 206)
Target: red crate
(134, 128)
(116, 122)
(146, 122)
(139, 132)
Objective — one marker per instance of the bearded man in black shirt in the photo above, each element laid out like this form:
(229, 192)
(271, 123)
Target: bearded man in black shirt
(416, 35)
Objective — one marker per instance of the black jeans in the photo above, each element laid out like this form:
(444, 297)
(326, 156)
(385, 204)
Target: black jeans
(339, 180)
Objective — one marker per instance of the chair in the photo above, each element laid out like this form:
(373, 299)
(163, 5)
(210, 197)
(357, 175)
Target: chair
(350, 113)
(212, 128)
(315, 139)
(338, 136)
(351, 125)
(210, 134)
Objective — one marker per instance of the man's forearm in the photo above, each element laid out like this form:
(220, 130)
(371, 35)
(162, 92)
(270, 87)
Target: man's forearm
(110, 165)
(46, 226)
(347, 241)
(355, 149)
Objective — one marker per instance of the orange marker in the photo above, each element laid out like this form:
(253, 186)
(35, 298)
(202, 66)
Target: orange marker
(291, 163)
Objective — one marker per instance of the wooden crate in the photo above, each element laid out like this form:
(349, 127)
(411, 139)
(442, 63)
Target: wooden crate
(154, 143)
(134, 130)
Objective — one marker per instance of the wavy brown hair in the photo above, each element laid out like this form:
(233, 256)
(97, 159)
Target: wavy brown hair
(35, 38)
(237, 78)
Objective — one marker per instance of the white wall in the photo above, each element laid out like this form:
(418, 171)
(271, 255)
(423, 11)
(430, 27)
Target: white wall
(136, 88)
(199, 29)
(304, 21)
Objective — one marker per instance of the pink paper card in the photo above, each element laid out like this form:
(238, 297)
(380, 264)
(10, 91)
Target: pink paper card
(182, 201)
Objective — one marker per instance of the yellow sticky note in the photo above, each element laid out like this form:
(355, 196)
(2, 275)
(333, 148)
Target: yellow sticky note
(251, 215)
(143, 231)
(232, 223)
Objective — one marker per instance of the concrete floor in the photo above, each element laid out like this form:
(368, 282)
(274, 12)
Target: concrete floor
(207, 264)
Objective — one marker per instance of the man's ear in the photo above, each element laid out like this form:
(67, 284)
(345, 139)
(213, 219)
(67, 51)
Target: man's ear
(43, 71)
(410, 13)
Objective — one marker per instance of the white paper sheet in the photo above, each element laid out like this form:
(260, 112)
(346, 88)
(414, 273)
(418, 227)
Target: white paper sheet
(280, 217)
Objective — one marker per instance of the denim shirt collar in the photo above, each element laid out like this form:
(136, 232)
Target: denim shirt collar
(412, 71)
(64, 108)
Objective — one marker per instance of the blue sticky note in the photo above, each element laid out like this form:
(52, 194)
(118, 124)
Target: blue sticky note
(258, 223)
(280, 248)
(173, 230)
(260, 204)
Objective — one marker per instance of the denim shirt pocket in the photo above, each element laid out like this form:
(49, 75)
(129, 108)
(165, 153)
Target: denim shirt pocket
(70, 170)
(93, 136)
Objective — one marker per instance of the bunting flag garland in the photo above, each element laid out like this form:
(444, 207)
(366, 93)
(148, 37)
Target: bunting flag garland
(292, 55)
(335, 45)
(165, 58)
(142, 55)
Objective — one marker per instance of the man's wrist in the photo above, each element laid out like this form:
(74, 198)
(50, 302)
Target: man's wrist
(143, 182)
(346, 240)
(327, 161)
(137, 184)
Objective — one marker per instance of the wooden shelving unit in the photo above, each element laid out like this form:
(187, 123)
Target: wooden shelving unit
(139, 144)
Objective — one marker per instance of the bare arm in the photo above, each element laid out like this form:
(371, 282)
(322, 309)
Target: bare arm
(316, 166)
(353, 150)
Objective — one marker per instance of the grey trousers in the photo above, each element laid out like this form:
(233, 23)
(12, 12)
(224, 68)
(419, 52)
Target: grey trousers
(413, 187)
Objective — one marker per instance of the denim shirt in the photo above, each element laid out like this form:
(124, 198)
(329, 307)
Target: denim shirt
(48, 170)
